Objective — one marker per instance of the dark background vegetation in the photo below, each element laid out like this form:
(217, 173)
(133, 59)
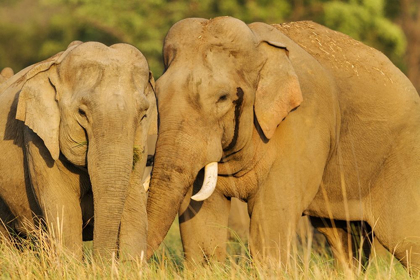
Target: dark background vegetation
(32, 30)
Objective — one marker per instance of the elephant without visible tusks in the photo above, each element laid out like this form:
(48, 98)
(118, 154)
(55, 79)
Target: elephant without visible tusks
(293, 119)
(73, 132)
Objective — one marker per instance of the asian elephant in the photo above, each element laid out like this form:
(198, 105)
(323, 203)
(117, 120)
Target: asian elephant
(294, 119)
(73, 132)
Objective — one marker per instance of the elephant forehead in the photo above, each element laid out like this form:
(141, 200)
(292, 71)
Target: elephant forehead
(192, 38)
(101, 88)
(87, 73)
(220, 30)
(120, 55)
(210, 61)
(211, 50)
(112, 99)
(121, 87)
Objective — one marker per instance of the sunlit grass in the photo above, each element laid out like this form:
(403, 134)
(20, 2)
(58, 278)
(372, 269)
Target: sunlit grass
(39, 258)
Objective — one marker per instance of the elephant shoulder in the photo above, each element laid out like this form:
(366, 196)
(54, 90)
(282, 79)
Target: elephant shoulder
(334, 49)
(344, 56)
(310, 34)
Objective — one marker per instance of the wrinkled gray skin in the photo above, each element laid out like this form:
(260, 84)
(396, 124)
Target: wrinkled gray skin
(69, 127)
(348, 152)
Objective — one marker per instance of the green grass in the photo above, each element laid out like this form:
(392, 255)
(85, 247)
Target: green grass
(49, 261)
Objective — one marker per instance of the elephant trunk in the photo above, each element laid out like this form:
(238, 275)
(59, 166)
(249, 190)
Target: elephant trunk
(175, 169)
(166, 192)
(109, 169)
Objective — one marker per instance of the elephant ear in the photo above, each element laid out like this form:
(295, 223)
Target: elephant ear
(152, 112)
(278, 90)
(37, 106)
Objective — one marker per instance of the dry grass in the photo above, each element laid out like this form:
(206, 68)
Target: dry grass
(40, 259)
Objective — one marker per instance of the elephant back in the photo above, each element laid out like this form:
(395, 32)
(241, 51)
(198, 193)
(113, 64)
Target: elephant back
(346, 58)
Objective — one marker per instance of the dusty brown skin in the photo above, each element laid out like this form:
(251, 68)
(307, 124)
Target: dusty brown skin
(349, 151)
(238, 224)
(351, 243)
(68, 128)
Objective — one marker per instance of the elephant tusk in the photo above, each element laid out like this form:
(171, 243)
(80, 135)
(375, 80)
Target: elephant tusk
(209, 184)
(146, 183)
(146, 177)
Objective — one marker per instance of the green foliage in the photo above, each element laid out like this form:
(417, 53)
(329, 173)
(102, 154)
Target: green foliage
(144, 24)
(364, 20)
(32, 30)
(137, 154)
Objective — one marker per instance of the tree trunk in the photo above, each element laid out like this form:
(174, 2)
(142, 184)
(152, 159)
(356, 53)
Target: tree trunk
(410, 23)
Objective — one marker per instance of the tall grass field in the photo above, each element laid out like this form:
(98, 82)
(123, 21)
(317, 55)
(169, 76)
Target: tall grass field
(39, 258)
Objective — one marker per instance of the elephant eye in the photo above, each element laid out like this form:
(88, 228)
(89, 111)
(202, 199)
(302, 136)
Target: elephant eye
(82, 113)
(222, 98)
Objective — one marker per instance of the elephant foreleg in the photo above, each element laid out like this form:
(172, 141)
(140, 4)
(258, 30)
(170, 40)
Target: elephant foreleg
(272, 232)
(203, 226)
(57, 190)
(238, 221)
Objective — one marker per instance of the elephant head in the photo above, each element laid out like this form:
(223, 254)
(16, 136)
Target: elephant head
(225, 90)
(93, 106)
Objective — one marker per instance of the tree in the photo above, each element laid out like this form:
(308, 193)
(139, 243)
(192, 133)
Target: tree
(32, 30)
(144, 24)
(363, 20)
(406, 13)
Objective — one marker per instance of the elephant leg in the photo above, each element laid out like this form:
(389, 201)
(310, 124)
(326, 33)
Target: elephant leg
(274, 217)
(58, 192)
(350, 242)
(238, 220)
(203, 226)
(133, 231)
(393, 209)
(64, 219)
(398, 229)
(18, 206)
(271, 243)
